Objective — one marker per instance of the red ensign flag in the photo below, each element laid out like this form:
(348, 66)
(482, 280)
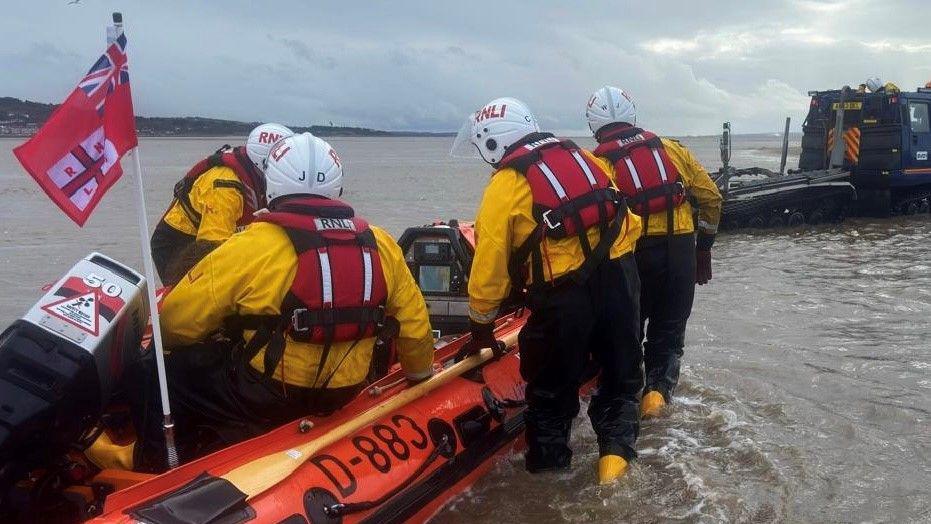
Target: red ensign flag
(75, 156)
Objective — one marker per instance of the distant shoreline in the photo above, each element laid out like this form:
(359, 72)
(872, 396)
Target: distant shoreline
(22, 118)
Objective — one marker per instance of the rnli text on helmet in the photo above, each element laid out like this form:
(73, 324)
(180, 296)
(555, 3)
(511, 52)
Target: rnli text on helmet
(490, 112)
(269, 138)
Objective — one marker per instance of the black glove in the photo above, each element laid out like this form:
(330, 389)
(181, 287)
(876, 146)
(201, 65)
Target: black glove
(483, 336)
(702, 267)
(703, 257)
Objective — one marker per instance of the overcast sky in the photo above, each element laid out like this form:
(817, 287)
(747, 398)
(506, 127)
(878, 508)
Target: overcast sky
(424, 65)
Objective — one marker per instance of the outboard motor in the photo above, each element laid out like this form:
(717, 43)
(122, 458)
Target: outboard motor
(60, 363)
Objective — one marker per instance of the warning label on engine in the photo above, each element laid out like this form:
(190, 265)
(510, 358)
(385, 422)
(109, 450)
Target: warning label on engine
(82, 310)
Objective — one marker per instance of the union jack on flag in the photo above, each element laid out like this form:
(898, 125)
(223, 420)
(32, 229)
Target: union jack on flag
(75, 156)
(110, 70)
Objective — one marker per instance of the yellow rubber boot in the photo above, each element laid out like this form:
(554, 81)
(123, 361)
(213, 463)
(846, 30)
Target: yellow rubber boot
(106, 454)
(610, 468)
(652, 404)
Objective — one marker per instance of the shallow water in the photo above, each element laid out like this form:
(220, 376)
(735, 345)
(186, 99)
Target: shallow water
(806, 391)
(806, 395)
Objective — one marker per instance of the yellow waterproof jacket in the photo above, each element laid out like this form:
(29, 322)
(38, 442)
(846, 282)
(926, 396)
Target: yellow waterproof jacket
(220, 206)
(700, 188)
(251, 273)
(504, 221)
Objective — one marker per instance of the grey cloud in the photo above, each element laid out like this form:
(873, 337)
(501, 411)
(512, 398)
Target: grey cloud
(426, 65)
(307, 53)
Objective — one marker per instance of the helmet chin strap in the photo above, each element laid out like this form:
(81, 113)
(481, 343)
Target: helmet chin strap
(482, 155)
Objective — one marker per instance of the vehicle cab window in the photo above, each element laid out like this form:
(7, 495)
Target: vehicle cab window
(918, 115)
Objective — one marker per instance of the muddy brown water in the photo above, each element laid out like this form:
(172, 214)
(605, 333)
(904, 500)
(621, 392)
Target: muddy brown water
(806, 391)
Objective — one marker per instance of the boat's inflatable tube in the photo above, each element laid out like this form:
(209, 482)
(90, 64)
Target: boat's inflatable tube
(402, 468)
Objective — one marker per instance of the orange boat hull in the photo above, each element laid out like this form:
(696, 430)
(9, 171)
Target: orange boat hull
(406, 466)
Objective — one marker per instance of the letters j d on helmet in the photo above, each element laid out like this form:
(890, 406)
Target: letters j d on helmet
(303, 165)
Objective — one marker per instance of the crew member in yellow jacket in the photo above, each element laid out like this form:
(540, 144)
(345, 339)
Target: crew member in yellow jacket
(552, 223)
(661, 180)
(217, 196)
(311, 286)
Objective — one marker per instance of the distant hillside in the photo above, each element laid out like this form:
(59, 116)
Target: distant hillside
(24, 117)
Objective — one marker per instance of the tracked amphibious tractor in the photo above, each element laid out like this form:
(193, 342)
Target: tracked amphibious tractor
(879, 167)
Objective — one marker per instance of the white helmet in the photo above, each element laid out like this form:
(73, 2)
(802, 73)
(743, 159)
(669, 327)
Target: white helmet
(262, 138)
(493, 128)
(609, 105)
(303, 165)
(874, 84)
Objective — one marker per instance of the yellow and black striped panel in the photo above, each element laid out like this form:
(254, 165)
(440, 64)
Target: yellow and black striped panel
(851, 141)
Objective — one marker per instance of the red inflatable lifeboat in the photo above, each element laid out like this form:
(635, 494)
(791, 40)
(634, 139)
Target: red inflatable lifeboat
(396, 453)
(402, 467)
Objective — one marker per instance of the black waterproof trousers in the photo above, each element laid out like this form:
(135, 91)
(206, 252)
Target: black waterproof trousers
(667, 276)
(216, 400)
(573, 330)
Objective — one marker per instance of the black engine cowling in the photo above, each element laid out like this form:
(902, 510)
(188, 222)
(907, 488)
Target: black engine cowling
(60, 363)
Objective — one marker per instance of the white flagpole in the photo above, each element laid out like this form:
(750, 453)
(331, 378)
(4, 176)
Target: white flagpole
(167, 422)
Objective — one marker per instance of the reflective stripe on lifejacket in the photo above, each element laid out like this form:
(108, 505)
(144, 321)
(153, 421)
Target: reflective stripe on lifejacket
(367, 266)
(251, 183)
(587, 170)
(326, 278)
(339, 290)
(650, 184)
(554, 182)
(633, 173)
(659, 164)
(571, 194)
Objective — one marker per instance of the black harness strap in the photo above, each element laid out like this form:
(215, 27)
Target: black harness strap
(519, 258)
(266, 327)
(582, 233)
(305, 320)
(230, 184)
(274, 351)
(324, 355)
(668, 191)
(552, 220)
(182, 194)
(601, 250)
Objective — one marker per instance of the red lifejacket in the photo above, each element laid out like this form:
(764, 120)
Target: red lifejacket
(571, 194)
(645, 175)
(339, 290)
(251, 183)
